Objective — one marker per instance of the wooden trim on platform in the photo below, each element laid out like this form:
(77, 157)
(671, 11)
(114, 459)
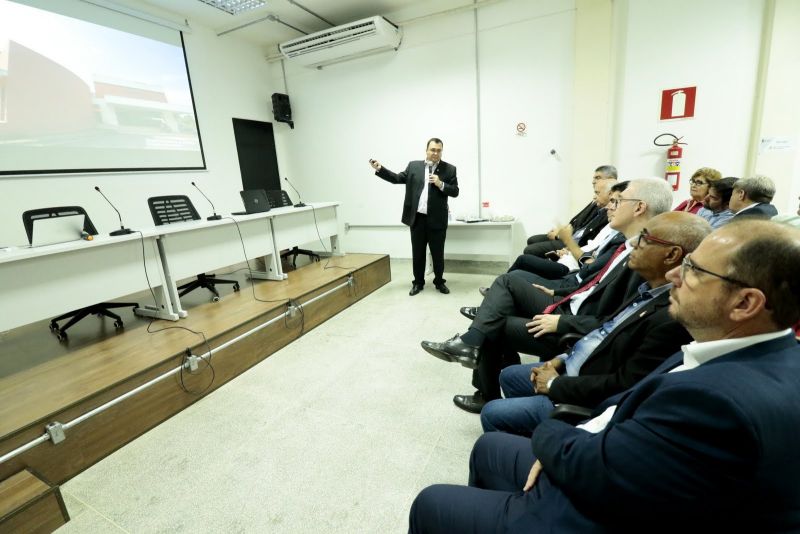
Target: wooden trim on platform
(142, 356)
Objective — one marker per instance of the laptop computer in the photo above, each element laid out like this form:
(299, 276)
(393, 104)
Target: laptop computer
(255, 201)
(54, 230)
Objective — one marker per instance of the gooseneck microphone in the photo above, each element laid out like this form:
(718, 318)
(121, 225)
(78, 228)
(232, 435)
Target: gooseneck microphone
(122, 230)
(214, 217)
(300, 200)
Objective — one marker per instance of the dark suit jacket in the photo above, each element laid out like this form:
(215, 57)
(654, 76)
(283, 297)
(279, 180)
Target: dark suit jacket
(628, 354)
(414, 178)
(714, 448)
(763, 211)
(569, 283)
(620, 285)
(593, 226)
(583, 217)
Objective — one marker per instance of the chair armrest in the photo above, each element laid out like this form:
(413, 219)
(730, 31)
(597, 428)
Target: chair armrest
(570, 413)
(566, 341)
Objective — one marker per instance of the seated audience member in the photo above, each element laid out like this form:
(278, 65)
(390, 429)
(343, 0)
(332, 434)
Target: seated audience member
(791, 220)
(698, 189)
(716, 204)
(511, 296)
(540, 244)
(620, 352)
(751, 197)
(708, 440)
(549, 269)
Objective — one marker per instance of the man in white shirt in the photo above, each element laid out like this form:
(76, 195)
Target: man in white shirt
(708, 440)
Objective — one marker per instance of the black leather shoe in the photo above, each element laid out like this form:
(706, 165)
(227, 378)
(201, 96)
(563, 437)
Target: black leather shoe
(470, 312)
(415, 288)
(441, 288)
(483, 291)
(454, 350)
(470, 403)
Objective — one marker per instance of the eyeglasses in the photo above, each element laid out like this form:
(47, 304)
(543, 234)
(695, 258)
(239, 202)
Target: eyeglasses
(697, 182)
(687, 264)
(649, 238)
(614, 202)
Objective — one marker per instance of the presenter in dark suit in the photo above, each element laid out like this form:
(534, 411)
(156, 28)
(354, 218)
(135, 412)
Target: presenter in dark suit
(428, 184)
(708, 441)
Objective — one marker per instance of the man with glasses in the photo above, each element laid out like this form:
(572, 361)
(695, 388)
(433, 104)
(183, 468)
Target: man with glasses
(622, 350)
(585, 222)
(511, 302)
(716, 204)
(751, 197)
(709, 439)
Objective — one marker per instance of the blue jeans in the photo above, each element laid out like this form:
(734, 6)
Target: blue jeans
(522, 410)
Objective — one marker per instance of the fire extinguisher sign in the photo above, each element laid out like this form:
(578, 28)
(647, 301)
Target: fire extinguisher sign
(678, 103)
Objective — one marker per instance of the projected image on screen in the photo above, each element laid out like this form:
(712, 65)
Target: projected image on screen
(76, 96)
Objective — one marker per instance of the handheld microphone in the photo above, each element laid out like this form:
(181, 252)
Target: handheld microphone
(300, 200)
(122, 230)
(429, 165)
(214, 217)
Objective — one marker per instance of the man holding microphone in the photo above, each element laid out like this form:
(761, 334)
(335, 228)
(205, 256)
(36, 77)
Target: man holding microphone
(428, 184)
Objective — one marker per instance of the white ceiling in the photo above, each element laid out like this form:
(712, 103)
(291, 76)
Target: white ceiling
(268, 33)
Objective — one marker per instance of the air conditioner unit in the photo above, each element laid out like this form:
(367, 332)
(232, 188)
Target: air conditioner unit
(349, 41)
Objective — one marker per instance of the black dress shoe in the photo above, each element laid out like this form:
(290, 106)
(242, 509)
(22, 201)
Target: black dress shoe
(415, 288)
(470, 403)
(441, 288)
(483, 291)
(454, 350)
(470, 312)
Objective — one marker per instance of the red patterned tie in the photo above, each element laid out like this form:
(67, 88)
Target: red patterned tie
(593, 282)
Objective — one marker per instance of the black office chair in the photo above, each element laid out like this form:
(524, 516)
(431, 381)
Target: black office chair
(279, 198)
(74, 316)
(178, 208)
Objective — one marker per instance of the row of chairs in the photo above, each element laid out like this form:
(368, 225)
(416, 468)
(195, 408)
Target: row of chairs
(164, 210)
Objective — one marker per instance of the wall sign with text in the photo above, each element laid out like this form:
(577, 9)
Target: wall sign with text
(678, 103)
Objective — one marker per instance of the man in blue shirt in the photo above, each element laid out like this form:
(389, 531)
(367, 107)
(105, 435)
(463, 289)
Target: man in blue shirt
(715, 206)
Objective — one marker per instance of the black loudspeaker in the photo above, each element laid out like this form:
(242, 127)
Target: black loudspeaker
(282, 109)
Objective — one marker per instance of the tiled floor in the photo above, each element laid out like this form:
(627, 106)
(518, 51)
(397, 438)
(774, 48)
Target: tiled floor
(337, 432)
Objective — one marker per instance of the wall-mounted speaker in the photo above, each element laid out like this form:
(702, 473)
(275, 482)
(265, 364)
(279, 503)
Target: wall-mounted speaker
(281, 108)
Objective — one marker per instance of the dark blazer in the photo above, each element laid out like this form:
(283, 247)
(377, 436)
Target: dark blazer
(583, 217)
(620, 285)
(593, 226)
(714, 448)
(414, 178)
(569, 283)
(628, 354)
(763, 211)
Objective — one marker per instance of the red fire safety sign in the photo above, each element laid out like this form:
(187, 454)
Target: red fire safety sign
(678, 103)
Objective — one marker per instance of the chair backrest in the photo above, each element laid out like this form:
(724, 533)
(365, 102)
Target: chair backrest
(278, 198)
(172, 209)
(62, 211)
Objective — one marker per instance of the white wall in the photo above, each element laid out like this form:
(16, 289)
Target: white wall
(229, 79)
(386, 107)
(714, 45)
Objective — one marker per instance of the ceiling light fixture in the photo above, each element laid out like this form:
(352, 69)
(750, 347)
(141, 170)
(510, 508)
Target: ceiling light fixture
(234, 7)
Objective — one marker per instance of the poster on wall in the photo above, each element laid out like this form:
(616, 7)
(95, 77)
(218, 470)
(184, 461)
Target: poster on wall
(678, 103)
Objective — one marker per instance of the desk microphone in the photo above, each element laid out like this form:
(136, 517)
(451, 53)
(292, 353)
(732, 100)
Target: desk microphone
(122, 230)
(300, 200)
(214, 217)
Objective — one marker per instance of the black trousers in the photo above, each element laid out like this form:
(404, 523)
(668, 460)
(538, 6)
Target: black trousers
(541, 248)
(422, 237)
(543, 267)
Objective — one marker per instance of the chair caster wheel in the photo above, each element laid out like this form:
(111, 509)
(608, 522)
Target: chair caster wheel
(236, 287)
(118, 324)
(54, 327)
(215, 299)
(61, 336)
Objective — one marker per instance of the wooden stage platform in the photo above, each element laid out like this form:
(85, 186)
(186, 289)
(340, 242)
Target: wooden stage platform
(97, 367)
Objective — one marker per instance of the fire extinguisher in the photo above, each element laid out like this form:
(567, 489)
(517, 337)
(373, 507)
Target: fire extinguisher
(672, 173)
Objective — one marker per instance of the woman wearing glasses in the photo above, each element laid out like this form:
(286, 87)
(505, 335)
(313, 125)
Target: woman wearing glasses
(698, 189)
